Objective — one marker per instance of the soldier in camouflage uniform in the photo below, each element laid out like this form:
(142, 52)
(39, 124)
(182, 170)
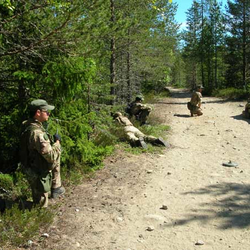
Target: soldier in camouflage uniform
(246, 112)
(42, 163)
(195, 103)
(139, 110)
(134, 135)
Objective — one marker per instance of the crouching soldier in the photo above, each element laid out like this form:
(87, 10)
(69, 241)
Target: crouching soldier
(139, 110)
(195, 103)
(134, 135)
(40, 155)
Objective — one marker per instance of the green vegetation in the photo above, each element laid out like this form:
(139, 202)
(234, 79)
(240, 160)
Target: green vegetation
(216, 41)
(231, 93)
(90, 58)
(18, 226)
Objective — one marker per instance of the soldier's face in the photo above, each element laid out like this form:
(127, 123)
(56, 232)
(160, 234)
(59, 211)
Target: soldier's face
(42, 115)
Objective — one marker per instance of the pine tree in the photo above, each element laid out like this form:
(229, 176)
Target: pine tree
(238, 42)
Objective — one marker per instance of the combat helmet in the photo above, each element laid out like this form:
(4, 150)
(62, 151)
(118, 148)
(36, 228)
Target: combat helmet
(117, 114)
(139, 98)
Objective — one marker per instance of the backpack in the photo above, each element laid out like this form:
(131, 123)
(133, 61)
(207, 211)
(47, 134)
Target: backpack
(23, 146)
(128, 109)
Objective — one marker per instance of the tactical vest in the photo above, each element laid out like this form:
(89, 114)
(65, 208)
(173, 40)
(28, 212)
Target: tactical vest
(40, 171)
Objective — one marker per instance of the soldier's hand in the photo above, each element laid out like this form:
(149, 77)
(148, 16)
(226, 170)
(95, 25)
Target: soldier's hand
(57, 137)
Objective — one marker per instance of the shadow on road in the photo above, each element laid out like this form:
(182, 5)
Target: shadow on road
(171, 103)
(241, 118)
(185, 103)
(231, 207)
(181, 94)
(184, 116)
(185, 93)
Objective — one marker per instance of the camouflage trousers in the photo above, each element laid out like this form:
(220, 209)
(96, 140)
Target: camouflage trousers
(40, 195)
(144, 115)
(195, 110)
(133, 134)
(246, 113)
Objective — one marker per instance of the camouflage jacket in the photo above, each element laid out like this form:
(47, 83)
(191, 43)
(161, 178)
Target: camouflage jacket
(42, 153)
(247, 106)
(123, 121)
(196, 99)
(137, 107)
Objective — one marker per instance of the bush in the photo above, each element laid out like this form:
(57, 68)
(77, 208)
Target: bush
(17, 226)
(231, 93)
(6, 182)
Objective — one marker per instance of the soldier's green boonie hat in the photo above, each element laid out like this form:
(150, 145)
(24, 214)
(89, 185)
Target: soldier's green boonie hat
(40, 104)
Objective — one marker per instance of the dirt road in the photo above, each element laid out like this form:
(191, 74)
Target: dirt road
(206, 205)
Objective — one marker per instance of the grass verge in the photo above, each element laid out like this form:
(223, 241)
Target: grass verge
(231, 93)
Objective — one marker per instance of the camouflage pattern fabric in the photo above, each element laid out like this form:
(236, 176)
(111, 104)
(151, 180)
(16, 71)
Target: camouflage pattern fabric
(131, 132)
(246, 112)
(140, 111)
(56, 175)
(196, 100)
(43, 162)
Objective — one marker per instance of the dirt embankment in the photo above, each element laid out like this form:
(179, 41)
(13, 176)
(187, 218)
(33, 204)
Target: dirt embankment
(182, 199)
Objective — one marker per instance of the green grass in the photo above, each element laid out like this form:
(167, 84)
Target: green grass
(18, 226)
(157, 130)
(231, 93)
(151, 97)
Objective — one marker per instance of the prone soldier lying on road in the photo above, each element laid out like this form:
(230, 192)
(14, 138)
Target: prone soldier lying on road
(134, 135)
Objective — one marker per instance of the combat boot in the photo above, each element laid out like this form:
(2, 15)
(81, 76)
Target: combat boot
(161, 142)
(56, 192)
(142, 143)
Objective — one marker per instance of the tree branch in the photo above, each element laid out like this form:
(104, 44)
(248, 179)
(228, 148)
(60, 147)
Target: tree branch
(31, 46)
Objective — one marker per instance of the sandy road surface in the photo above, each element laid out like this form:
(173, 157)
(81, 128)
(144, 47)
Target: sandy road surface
(206, 202)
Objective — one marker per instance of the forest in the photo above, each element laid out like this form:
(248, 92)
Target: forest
(90, 58)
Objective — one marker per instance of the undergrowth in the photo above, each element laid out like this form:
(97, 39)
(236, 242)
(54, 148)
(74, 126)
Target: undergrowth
(231, 93)
(151, 97)
(18, 226)
(82, 156)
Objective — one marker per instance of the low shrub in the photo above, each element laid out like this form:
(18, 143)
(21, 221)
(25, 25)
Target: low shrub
(18, 226)
(231, 93)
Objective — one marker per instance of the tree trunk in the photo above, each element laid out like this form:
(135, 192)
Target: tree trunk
(244, 45)
(202, 43)
(129, 90)
(112, 58)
